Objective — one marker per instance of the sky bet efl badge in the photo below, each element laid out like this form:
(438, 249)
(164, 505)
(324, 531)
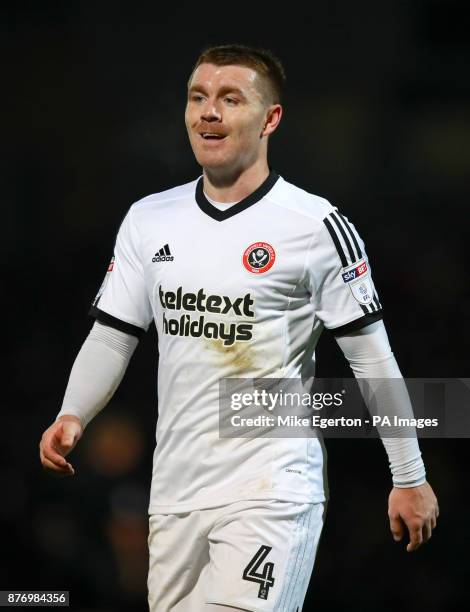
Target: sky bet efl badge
(358, 279)
(259, 257)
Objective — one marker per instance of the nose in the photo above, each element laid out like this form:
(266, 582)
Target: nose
(210, 112)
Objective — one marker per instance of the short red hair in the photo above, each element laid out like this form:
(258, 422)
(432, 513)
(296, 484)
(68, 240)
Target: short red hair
(265, 63)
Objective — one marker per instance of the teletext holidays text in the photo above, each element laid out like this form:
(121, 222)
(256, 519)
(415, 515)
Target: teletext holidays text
(184, 325)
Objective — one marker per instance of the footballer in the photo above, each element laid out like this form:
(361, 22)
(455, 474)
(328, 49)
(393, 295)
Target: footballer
(241, 271)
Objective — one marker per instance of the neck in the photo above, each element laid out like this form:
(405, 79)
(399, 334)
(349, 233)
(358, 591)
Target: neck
(235, 185)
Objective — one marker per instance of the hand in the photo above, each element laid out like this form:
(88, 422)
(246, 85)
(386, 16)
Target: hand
(417, 509)
(57, 442)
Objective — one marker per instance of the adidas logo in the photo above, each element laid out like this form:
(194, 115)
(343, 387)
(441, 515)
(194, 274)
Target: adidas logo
(163, 255)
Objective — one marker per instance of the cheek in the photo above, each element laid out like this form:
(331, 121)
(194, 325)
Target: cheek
(189, 117)
(249, 131)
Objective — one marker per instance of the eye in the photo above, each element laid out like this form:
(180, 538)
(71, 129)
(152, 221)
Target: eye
(231, 101)
(197, 98)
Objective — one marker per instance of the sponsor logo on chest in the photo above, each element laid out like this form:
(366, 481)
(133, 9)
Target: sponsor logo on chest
(203, 305)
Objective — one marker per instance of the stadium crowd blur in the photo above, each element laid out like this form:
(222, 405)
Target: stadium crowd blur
(377, 120)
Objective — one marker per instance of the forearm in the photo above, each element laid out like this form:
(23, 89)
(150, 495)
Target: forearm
(98, 369)
(374, 365)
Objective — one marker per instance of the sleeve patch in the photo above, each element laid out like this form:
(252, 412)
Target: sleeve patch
(357, 277)
(353, 272)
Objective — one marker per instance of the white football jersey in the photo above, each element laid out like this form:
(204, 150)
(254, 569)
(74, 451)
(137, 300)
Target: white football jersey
(241, 292)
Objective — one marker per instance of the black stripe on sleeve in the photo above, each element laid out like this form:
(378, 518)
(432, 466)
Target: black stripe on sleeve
(376, 301)
(367, 309)
(352, 234)
(334, 237)
(110, 321)
(347, 242)
(367, 319)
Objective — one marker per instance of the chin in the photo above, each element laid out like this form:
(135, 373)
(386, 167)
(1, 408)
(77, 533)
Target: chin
(208, 160)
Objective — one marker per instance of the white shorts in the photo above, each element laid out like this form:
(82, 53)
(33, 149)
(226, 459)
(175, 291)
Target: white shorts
(254, 555)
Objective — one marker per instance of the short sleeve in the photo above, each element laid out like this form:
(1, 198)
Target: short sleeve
(122, 301)
(339, 277)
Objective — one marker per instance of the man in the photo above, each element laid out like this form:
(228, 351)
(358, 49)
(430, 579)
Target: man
(240, 271)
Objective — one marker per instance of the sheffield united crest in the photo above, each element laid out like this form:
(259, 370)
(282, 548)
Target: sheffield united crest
(259, 257)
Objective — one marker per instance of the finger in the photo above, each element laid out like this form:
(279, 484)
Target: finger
(57, 460)
(416, 539)
(49, 465)
(46, 461)
(396, 527)
(54, 457)
(433, 521)
(427, 530)
(50, 442)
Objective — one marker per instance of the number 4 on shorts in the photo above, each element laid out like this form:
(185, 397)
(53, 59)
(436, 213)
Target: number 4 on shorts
(264, 578)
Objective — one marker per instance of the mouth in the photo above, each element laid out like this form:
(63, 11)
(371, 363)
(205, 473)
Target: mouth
(211, 136)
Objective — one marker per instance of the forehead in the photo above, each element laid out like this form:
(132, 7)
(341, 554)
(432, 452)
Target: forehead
(211, 76)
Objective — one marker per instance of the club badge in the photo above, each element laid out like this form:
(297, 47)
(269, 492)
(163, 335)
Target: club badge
(259, 257)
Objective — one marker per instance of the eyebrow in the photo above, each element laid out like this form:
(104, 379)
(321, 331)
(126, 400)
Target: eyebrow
(222, 91)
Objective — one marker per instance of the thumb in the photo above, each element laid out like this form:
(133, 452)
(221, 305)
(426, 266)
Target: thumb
(70, 432)
(396, 527)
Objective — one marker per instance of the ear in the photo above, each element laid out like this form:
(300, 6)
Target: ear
(272, 119)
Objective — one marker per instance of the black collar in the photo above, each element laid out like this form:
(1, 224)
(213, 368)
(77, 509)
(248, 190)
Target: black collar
(221, 215)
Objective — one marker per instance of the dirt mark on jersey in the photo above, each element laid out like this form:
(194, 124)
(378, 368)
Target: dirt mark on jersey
(240, 356)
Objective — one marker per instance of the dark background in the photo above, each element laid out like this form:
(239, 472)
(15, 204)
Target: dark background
(377, 119)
